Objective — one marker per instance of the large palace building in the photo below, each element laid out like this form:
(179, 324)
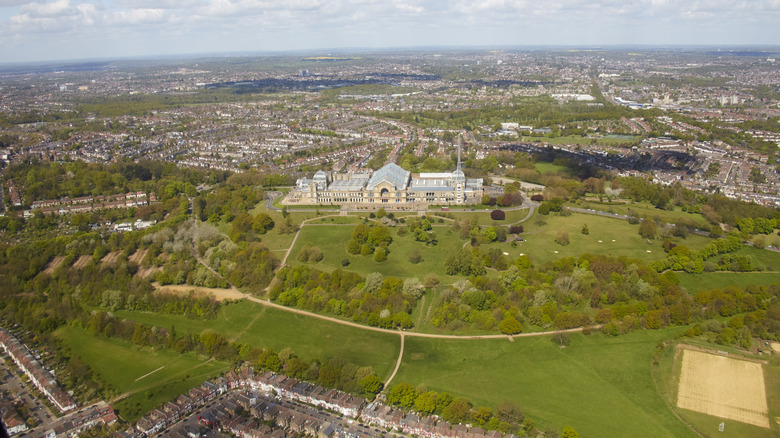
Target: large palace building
(390, 187)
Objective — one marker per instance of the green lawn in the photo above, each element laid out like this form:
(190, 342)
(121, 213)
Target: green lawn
(540, 242)
(545, 167)
(600, 386)
(719, 280)
(645, 209)
(123, 365)
(483, 216)
(264, 327)
(333, 243)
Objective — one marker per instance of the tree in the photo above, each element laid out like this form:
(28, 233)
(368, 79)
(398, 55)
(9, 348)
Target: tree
(380, 255)
(585, 229)
(569, 432)
(426, 402)
(262, 223)
(510, 326)
(371, 384)
(562, 238)
(497, 215)
(373, 282)
(509, 412)
(413, 287)
(648, 229)
(402, 395)
(457, 411)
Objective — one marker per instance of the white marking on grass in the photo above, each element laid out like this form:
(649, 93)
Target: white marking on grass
(150, 373)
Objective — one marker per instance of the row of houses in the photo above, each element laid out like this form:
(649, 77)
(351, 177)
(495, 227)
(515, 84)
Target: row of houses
(268, 418)
(86, 204)
(265, 409)
(168, 414)
(42, 379)
(74, 424)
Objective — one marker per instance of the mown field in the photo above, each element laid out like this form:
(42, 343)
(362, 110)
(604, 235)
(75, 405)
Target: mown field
(332, 241)
(123, 366)
(601, 386)
(668, 379)
(645, 209)
(265, 327)
(608, 236)
(719, 280)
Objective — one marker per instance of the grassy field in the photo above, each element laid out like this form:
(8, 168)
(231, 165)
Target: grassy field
(482, 215)
(668, 378)
(540, 243)
(333, 243)
(600, 386)
(123, 366)
(719, 280)
(255, 324)
(644, 209)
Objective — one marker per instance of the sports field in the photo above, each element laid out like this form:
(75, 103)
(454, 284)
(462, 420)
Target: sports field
(727, 388)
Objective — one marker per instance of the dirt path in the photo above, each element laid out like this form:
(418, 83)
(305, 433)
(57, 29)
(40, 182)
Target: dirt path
(404, 333)
(397, 363)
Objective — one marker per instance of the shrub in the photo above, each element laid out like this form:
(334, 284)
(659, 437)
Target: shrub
(537, 198)
(344, 262)
(562, 238)
(516, 229)
(497, 215)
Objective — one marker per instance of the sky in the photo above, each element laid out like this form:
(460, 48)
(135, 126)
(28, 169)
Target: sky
(87, 29)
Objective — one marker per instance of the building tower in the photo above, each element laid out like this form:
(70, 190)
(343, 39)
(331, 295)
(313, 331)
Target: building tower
(459, 178)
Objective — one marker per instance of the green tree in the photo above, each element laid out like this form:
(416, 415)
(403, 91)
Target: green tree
(510, 326)
(648, 229)
(402, 395)
(569, 432)
(371, 384)
(426, 402)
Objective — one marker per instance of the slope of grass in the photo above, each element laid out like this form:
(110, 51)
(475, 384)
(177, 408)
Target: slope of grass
(601, 386)
(540, 242)
(332, 241)
(719, 280)
(123, 366)
(264, 327)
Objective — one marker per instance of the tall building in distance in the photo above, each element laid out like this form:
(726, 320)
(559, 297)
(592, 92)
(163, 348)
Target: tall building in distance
(390, 187)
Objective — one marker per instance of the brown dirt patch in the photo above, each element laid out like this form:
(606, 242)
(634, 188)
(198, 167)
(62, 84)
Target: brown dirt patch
(219, 294)
(147, 272)
(137, 256)
(775, 346)
(723, 387)
(82, 262)
(53, 265)
(110, 258)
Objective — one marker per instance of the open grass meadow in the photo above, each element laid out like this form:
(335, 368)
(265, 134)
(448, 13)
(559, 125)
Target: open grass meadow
(614, 237)
(667, 376)
(601, 386)
(332, 241)
(645, 209)
(265, 327)
(148, 377)
(718, 280)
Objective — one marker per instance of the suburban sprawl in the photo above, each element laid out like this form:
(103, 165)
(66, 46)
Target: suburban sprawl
(422, 243)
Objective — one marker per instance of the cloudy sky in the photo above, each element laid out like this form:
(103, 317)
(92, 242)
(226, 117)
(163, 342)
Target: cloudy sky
(81, 29)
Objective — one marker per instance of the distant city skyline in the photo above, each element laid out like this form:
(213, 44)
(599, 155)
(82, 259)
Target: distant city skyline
(86, 29)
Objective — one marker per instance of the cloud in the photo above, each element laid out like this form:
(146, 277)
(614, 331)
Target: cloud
(168, 26)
